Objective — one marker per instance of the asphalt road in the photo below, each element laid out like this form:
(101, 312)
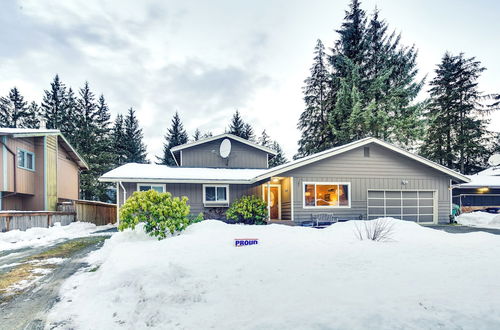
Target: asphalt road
(28, 309)
(463, 229)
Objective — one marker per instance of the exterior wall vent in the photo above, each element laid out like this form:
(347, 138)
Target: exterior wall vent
(367, 151)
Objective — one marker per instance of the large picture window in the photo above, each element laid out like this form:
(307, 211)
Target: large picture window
(25, 159)
(327, 194)
(216, 195)
(148, 186)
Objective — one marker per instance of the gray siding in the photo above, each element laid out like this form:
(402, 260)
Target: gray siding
(207, 155)
(384, 169)
(193, 191)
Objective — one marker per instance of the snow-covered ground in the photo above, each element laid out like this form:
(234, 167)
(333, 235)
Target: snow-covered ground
(479, 219)
(295, 278)
(37, 236)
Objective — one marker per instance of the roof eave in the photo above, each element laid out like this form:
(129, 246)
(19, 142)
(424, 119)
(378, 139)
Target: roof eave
(161, 180)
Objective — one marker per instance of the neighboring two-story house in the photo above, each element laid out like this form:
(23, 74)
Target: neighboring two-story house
(38, 168)
(365, 179)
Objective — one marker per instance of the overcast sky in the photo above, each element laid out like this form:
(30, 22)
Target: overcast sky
(207, 58)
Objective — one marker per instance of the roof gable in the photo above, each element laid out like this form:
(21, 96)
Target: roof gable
(353, 145)
(34, 132)
(221, 136)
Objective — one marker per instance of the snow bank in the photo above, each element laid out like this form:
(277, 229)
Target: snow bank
(295, 278)
(479, 219)
(37, 236)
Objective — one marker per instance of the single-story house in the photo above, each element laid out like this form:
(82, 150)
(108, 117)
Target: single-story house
(483, 191)
(365, 179)
(38, 168)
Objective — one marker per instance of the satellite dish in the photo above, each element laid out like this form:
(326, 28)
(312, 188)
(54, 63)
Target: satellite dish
(225, 148)
(494, 160)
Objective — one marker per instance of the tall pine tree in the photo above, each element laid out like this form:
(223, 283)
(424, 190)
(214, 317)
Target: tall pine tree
(176, 135)
(313, 122)
(280, 158)
(54, 104)
(118, 141)
(371, 90)
(135, 149)
(456, 135)
(14, 110)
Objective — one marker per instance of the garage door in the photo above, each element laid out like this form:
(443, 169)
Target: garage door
(418, 206)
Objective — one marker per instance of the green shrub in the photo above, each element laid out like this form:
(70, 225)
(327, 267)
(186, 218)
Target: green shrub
(195, 219)
(160, 213)
(249, 210)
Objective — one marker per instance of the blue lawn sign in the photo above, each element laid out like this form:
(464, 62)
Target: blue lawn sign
(239, 242)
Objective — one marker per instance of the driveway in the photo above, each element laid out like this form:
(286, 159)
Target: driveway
(37, 274)
(456, 229)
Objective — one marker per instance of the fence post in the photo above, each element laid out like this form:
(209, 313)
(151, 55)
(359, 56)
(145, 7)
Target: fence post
(8, 223)
(48, 220)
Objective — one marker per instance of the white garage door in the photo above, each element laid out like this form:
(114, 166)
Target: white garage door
(418, 206)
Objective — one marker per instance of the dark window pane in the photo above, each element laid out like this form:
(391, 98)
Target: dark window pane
(210, 194)
(344, 195)
(144, 188)
(29, 161)
(20, 158)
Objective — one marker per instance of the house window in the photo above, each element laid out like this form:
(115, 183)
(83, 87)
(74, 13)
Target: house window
(147, 187)
(216, 195)
(25, 159)
(327, 194)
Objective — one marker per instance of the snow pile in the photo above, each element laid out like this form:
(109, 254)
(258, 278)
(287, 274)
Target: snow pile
(37, 236)
(295, 278)
(479, 219)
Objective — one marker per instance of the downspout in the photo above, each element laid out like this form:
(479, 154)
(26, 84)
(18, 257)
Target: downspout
(14, 168)
(124, 199)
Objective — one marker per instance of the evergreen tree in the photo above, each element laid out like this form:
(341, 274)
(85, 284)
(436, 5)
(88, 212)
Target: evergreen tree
(31, 120)
(13, 109)
(54, 104)
(5, 112)
(371, 88)
(197, 135)
(456, 135)
(248, 132)
(118, 141)
(265, 139)
(70, 117)
(176, 135)
(135, 150)
(313, 122)
(280, 158)
(237, 125)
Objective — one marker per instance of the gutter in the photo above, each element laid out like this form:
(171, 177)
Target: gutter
(15, 169)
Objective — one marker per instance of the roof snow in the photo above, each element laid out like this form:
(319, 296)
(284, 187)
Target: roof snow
(163, 173)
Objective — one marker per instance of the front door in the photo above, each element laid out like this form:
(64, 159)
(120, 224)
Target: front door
(274, 201)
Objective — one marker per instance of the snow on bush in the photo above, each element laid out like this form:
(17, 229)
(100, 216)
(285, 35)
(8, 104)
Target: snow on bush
(479, 219)
(36, 236)
(295, 278)
(161, 213)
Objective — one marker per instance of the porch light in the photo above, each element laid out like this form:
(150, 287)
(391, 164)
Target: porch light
(483, 190)
(276, 180)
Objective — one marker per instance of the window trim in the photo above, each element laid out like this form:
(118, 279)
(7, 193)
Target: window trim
(26, 152)
(142, 184)
(216, 203)
(349, 193)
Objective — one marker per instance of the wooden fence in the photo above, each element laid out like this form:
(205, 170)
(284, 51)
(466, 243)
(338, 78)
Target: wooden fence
(23, 220)
(98, 213)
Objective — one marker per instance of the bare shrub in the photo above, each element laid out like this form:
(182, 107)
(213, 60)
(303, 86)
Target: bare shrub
(379, 230)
